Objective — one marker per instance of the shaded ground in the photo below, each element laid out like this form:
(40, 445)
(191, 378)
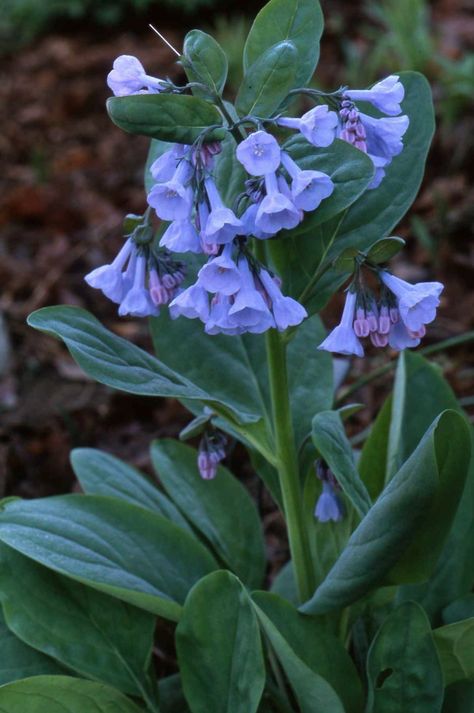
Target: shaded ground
(68, 178)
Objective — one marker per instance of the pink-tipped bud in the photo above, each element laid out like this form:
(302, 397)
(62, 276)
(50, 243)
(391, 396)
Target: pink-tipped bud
(361, 145)
(361, 324)
(394, 315)
(384, 320)
(207, 465)
(379, 340)
(373, 321)
(169, 282)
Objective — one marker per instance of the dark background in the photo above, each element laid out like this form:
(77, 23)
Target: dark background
(69, 176)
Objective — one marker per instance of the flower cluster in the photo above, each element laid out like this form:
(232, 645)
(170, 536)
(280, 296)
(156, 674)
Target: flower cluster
(329, 505)
(380, 139)
(234, 292)
(236, 296)
(398, 319)
(139, 279)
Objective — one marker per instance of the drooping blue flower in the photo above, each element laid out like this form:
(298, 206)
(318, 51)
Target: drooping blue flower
(192, 303)
(250, 228)
(129, 77)
(329, 506)
(399, 337)
(221, 274)
(109, 278)
(286, 311)
(384, 136)
(308, 188)
(386, 95)
(218, 321)
(137, 301)
(163, 168)
(417, 304)
(259, 153)
(173, 199)
(276, 211)
(222, 225)
(343, 339)
(249, 309)
(318, 125)
(181, 237)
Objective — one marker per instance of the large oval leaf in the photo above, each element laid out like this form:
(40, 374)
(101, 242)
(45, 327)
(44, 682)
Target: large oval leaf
(169, 117)
(403, 669)
(83, 633)
(234, 533)
(403, 531)
(118, 548)
(204, 61)
(62, 694)
(267, 82)
(300, 21)
(219, 649)
(100, 473)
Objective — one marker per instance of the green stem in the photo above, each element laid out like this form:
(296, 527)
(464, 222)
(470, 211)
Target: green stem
(287, 464)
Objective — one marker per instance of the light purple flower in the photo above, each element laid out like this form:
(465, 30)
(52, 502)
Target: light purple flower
(192, 303)
(318, 125)
(286, 311)
(249, 309)
(417, 303)
(163, 168)
(276, 211)
(181, 237)
(385, 95)
(137, 301)
(173, 199)
(218, 322)
(109, 278)
(342, 339)
(221, 274)
(399, 337)
(259, 153)
(248, 219)
(222, 225)
(329, 505)
(308, 188)
(129, 77)
(160, 295)
(207, 465)
(384, 136)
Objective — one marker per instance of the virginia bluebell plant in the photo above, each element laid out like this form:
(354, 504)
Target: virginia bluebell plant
(257, 210)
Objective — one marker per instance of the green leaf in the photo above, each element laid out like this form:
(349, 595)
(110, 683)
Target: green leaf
(82, 633)
(455, 646)
(310, 640)
(110, 545)
(462, 608)
(100, 473)
(420, 394)
(204, 61)
(62, 694)
(169, 117)
(331, 441)
(384, 249)
(459, 698)
(219, 648)
(235, 532)
(404, 531)
(373, 458)
(267, 81)
(313, 693)
(18, 660)
(171, 695)
(114, 361)
(228, 173)
(403, 670)
(300, 21)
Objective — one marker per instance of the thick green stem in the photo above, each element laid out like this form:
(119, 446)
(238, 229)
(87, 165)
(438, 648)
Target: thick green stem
(287, 465)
